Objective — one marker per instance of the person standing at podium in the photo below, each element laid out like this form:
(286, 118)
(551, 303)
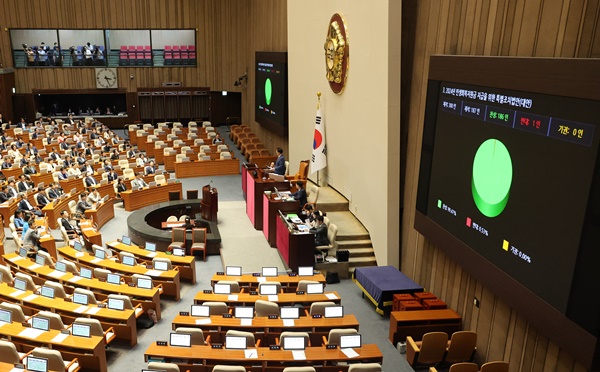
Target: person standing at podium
(280, 162)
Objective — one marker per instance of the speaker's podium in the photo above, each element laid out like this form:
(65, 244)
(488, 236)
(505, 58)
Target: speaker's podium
(210, 203)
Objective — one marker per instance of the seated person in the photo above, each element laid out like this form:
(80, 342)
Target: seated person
(301, 193)
(217, 140)
(31, 238)
(112, 176)
(138, 182)
(72, 231)
(4, 194)
(63, 175)
(121, 186)
(19, 221)
(150, 169)
(93, 196)
(26, 206)
(83, 205)
(90, 180)
(55, 191)
(41, 198)
(320, 231)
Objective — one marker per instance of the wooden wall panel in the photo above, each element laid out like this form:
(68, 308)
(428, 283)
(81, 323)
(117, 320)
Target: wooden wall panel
(529, 28)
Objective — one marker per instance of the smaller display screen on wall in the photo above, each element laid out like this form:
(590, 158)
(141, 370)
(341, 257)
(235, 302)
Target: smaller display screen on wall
(271, 90)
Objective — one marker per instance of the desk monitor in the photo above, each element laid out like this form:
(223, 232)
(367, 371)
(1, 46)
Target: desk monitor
(151, 246)
(113, 278)
(276, 177)
(161, 265)
(128, 260)
(235, 342)
(180, 339)
(40, 260)
(5, 316)
(294, 343)
(334, 312)
(37, 364)
(269, 271)
(73, 191)
(39, 322)
(268, 289)
(305, 271)
(84, 272)
(152, 184)
(77, 246)
(23, 252)
(126, 240)
(103, 182)
(61, 266)
(222, 288)
(314, 288)
(289, 312)
(104, 199)
(41, 184)
(347, 341)
(244, 312)
(80, 299)
(47, 291)
(233, 270)
(20, 284)
(144, 283)
(81, 330)
(100, 253)
(116, 304)
(180, 252)
(200, 310)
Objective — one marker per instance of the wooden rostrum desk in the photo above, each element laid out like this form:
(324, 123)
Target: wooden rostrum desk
(101, 215)
(147, 298)
(136, 199)
(90, 352)
(418, 322)
(283, 299)
(288, 283)
(169, 279)
(264, 328)
(203, 358)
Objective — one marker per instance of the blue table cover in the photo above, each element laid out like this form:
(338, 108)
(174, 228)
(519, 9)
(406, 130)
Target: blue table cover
(382, 282)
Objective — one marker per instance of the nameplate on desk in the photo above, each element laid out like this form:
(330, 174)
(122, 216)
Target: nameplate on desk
(273, 316)
(207, 291)
(226, 315)
(317, 316)
(216, 346)
(184, 313)
(255, 274)
(26, 325)
(65, 332)
(253, 293)
(220, 273)
(161, 343)
(19, 366)
(299, 292)
(293, 274)
(131, 284)
(67, 299)
(274, 347)
(101, 305)
(149, 267)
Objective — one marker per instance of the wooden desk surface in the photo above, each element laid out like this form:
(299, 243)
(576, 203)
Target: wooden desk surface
(251, 280)
(265, 355)
(424, 315)
(185, 264)
(207, 168)
(104, 213)
(141, 198)
(90, 235)
(282, 298)
(218, 322)
(8, 209)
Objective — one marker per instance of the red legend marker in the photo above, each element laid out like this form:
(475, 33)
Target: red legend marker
(468, 221)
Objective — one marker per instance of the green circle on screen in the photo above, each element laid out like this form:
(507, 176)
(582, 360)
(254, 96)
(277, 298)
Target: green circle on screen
(268, 91)
(492, 177)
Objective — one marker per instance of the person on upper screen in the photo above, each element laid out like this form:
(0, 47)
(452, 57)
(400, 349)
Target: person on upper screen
(300, 195)
(280, 162)
(320, 231)
(217, 140)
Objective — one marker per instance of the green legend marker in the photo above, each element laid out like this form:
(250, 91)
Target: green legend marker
(439, 203)
(268, 91)
(492, 177)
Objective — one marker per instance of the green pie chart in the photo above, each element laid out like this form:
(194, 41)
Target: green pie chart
(268, 91)
(492, 177)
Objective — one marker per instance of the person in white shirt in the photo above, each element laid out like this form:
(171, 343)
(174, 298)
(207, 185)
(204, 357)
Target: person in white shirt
(14, 152)
(94, 196)
(73, 171)
(140, 161)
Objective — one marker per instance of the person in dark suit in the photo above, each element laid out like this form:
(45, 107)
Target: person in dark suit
(121, 186)
(54, 191)
(108, 166)
(150, 169)
(300, 194)
(83, 205)
(280, 162)
(320, 231)
(12, 190)
(64, 145)
(4, 194)
(23, 185)
(41, 198)
(26, 206)
(90, 180)
(112, 176)
(72, 231)
(89, 151)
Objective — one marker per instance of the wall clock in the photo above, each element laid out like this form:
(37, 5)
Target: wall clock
(106, 78)
(337, 52)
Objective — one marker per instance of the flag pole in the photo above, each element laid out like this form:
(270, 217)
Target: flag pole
(318, 107)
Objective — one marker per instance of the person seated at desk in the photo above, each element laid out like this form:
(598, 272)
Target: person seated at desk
(41, 198)
(138, 183)
(19, 221)
(121, 186)
(64, 146)
(24, 184)
(114, 155)
(26, 206)
(88, 168)
(8, 162)
(63, 175)
(90, 180)
(112, 176)
(54, 191)
(89, 151)
(217, 140)
(54, 154)
(308, 213)
(4, 194)
(80, 158)
(82, 205)
(93, 196)
(300, 194)
(20, 143)
(150, 169)
(73, 171)
(29, 168)
(31, 238)
(31, 150)
(280, 162)
(12, 190)
(320, 231)
(131, 153)
(14, 152)
(71, 230)
(141, 160)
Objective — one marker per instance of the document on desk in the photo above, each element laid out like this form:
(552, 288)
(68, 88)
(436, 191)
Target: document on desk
(31, 333)
(16, 258)
(232, 297)
(60, 337)
(56, 274)
(2, 323)
(151, 254)
(246, 322)
(93, 310)
(94, 260)
(16, 293)
(349, 352)
(81, 254)
(273, 298)
(261, 279)
(30, 298)
(74, 279)
(299, 354)
(33, 267)
(81, 309)
(331, 296)
(87, 229)
(203, 321)
(152, 272)
(251, 353)
(288, 322)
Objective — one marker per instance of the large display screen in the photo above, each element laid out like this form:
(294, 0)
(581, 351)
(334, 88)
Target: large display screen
(271, 91)
(510, 177)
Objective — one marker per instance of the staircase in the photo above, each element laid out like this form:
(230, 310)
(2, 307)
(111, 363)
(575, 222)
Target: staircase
(352, 235)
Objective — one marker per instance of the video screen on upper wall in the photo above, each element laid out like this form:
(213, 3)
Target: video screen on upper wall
(271, 106)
